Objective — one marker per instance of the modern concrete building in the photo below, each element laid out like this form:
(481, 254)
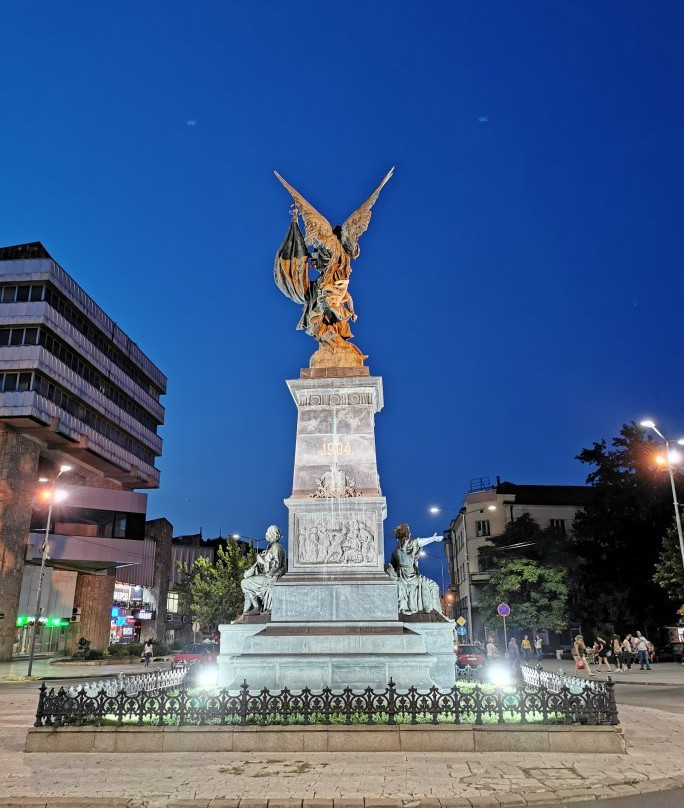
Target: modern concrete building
(76, 391)
(486, 513)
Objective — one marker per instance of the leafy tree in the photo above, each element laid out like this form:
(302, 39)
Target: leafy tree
(617, 537)
(211, 592)
(523, 538)
(536, 593)
(670, 568)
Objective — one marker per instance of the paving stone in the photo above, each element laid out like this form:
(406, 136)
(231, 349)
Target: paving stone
(576, 796)
(22, 802)
(540, 798)
(313, 802)
(179, 804)
(254, 803)
(383, 802)
(224, 802)
(455, 802)
(284, 803)
(510, 799)
(349, 802)
(484, 801)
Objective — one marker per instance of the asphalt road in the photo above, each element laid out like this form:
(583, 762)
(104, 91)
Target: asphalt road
(658, 697)
(660, 799)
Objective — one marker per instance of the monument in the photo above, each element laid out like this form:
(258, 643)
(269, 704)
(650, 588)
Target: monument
(336, 615)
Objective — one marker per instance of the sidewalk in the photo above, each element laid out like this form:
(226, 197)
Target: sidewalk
(43, 669)
(661, 673)
(653, 762)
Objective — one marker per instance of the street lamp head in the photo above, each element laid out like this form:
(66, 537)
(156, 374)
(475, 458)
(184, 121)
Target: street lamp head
(681, 441)
(674, 457)
(660, 460)
(43, 480)
(60, 496)
(491, 507)
(235, 536)
(435, 509)
(647, 423)
(422, 554)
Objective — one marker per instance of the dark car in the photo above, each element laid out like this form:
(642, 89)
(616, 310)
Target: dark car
(469, 655)
(198, 652)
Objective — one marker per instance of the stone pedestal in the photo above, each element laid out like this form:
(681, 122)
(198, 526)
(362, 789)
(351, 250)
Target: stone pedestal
(334, 620)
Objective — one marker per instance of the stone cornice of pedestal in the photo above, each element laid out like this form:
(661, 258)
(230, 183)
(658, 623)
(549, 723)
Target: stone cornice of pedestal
(345, 388)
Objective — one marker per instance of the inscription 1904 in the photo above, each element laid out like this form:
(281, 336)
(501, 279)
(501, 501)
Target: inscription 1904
(336, 449)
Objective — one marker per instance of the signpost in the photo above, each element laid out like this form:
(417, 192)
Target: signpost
(461, 622)
(461, 631)
(195, 628)
(504, 610)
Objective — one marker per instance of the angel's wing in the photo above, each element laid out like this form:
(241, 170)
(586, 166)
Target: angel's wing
(358, 222)
(317, 227)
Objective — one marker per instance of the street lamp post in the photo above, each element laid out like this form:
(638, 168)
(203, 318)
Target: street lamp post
(237, 536)
(441, 564)
(52, 496)
(668, 459)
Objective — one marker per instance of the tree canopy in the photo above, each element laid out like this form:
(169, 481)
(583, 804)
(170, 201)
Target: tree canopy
(211, 592)
(669, 573)
(617, 537)
(536, 593)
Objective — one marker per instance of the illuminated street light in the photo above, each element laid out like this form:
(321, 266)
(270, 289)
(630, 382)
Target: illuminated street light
(671, 459)
(50, 495)
(434, 509)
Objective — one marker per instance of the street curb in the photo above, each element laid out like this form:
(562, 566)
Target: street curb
(541, 799)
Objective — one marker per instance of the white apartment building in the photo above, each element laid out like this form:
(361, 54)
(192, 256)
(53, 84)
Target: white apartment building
(486, 513)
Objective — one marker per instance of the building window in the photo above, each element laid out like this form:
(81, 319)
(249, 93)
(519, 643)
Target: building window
(558, 526)
(172, 603)
(482, 527)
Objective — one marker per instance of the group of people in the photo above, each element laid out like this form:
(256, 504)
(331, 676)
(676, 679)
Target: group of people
(516, 653)
(623, 653)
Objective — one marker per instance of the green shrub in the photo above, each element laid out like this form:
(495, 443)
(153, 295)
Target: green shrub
(159, 649)
(93, 653)
(135, 649)
(117, 649)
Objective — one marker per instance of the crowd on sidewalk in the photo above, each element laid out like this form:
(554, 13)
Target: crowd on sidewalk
(609, 655)
(623, 653)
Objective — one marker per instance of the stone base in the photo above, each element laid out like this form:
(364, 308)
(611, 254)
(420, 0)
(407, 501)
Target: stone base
(321, 599)
(421, 738)
(336, 655)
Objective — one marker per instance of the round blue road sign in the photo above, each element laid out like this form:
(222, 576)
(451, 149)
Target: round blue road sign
(503, 609)
(461, 631)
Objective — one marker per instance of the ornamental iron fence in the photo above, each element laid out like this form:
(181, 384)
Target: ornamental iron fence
(132, 683)
(538, 677)
(462, 704)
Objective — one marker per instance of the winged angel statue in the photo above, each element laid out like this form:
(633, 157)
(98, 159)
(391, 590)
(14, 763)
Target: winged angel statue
(328, 306)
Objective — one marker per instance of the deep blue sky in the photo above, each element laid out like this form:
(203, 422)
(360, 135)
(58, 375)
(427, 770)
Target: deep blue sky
(519, 288)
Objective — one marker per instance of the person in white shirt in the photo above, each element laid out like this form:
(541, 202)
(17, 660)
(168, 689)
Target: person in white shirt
(642, 651)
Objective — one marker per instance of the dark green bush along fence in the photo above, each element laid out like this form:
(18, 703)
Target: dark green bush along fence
(177, 705)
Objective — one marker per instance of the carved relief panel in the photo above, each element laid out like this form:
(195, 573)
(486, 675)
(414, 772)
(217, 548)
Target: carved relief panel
(339, 539)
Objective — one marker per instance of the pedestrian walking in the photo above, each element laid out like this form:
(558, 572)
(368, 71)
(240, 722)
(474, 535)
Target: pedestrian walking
(603, 653)
(616, 648)
(642, 652)
(627, 653)
(579, 654)
(526, 648)
(538, 648)
(148, 652)
(513, 652)
(492, 651)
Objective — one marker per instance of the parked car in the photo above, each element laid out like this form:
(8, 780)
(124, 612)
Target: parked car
(469, 655)
(199, 652)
